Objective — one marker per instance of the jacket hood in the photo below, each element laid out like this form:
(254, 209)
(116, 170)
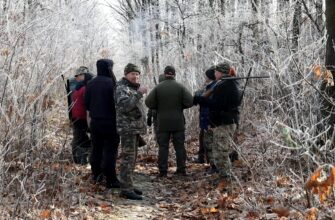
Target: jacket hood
(105, 67)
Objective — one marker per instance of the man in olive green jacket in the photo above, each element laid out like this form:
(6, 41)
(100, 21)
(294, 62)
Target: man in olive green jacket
(170, 98)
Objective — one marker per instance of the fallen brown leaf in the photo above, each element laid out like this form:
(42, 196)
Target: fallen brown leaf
(206, 211)
(311, 214)
(45, 214)
(252, 215)
(221, 185)
(281, 212)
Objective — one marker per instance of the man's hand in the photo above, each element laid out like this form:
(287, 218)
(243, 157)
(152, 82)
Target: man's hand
(196, 100)
(149, 121)
(143, 90)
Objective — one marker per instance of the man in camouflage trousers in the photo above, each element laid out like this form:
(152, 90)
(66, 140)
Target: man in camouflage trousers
(223, 116)
(131, 123)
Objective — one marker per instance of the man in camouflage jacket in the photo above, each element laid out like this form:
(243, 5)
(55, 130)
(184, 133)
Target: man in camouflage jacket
(131, 123)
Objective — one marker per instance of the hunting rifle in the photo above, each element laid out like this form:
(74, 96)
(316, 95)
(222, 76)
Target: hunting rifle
(210, 91)
(68, 95)
(155, 81)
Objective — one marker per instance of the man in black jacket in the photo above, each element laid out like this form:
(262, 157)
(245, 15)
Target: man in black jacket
(223, 106)
(100, 105)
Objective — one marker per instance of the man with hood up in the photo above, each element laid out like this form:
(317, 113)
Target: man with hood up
(100, 105)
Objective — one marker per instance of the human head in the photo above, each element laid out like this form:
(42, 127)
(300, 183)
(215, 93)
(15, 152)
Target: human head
(221, 69)
(105, 68)
(210, 73)
(80, 73)
(169, 71)
(132, 73)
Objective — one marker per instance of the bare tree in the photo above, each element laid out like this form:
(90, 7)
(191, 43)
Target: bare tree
(296, 25)
(330, 19)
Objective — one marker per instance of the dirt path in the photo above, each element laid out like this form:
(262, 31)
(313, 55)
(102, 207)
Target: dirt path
(192, 197)
(173, 197)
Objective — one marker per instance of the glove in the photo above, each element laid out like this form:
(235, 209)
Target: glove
(149, 121)
(141, 141)
(198, 92)
(196, 100)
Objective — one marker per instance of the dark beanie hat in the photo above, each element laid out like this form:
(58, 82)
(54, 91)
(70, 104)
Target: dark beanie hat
(131, 68)
(170, 70)
(210, 73)
(223, 68)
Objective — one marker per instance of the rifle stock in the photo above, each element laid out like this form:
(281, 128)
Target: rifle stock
(155, 81)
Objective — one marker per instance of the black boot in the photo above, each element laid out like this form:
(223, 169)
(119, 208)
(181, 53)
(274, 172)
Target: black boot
(180, 173)
(97, 179)
(138, 192)
(212, 170)
(199, 160)
(162, 174)
(130, 195)
(113, 184)
(233, 156)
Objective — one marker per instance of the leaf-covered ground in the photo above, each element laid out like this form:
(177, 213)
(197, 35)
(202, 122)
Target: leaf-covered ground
(266, 185)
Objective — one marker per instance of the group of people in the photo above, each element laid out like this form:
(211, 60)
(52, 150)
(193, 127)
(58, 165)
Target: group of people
(114, 112)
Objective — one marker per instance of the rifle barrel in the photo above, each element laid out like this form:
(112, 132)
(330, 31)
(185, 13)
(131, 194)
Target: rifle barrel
(250, 77)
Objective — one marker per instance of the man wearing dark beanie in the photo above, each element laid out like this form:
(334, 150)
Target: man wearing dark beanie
(170, 98)
(131, 123)
(170, 71)
(223, 104)
(131, 68)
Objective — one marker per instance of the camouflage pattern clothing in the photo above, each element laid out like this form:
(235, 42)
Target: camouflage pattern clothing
(221, 147)
(131, 122)
(208, 144)
(129, 145)
(130, 113)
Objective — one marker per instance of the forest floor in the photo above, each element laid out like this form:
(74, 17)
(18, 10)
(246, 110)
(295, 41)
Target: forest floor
(199, 195)
(261, 188)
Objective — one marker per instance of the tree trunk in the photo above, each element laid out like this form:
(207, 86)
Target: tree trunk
(330, 59)
(4, 6)
(319, 13)
(157, 35)
(211, 3)
(222, 7)
(296, 26)
(330, 19)
(152, 39)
